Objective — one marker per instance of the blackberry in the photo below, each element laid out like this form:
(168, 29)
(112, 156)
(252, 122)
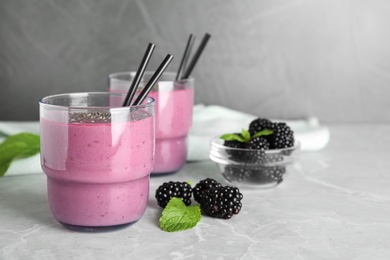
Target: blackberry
(259, 143)
(258, 146)
(259, 177)
(273, 157)
(236, 173)
(259, 124)
(171, 189)
(236, 155)
(268, 174)
(275, 172)
(282, 136)
(221, 202)
(234, 143)
(203, 186)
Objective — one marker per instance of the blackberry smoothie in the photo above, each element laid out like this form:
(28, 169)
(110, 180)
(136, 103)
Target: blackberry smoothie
(173, 110)
(173, 122)
(97, 163)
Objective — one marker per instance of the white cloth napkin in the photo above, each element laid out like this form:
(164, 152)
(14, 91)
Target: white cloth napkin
(208, 122)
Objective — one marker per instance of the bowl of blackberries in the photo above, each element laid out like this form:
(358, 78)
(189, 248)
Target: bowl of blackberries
(259, 156)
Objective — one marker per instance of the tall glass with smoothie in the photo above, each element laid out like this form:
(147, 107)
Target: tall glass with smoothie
(174, 104)
(98, 157)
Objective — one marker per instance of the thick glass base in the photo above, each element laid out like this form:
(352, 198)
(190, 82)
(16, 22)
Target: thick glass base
(170, 155)
(97, 229)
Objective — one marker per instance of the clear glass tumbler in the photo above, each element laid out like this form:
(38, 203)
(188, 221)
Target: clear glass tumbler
(98, 157)
(174, 105)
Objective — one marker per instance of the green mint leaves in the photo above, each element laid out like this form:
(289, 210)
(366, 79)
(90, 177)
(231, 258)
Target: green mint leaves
(245, 135)
(176, 216)
(263, 133)
(243, 138)
(17, 146)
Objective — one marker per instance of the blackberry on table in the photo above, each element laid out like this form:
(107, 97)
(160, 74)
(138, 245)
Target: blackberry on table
(204, 185)
(171, 189)
(221, 202)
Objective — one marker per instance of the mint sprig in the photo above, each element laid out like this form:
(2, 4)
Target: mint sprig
(176, 216)
(21, 145)
(245, 135)
(263, 133)
(243, 138)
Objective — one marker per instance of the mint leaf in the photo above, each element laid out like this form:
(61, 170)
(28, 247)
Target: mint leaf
(263, 133)
(176, 216)
(17, 146)
(246, 135)
(232, 137)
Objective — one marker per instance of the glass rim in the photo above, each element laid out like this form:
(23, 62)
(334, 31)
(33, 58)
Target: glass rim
(170, 73)
(150, 101)
(217, 142)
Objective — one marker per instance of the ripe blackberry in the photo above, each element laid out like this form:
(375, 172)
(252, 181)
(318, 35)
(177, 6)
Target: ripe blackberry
(259, 143)
(258, 146)
(236, 173)
(171, 189)
(259, 177)
(234, 143)
(268, 174)
(273, 157)
(282, 136)
(203, 186)
(275, 172)
(236, 155)
(258, 125)
(221, 202)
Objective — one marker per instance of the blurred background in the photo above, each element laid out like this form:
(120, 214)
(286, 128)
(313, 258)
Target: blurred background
(281, 59)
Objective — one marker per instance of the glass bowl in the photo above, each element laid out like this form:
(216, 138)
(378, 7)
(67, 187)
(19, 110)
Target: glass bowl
(250, 167)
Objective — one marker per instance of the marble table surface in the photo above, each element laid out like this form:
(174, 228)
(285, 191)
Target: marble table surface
(334, 204)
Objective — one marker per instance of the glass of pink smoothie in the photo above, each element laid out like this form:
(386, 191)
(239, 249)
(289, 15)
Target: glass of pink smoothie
(98, 157)
(174, 104)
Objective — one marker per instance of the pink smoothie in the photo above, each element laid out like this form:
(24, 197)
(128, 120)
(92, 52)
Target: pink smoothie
(98, 173)
(173, 122)
(173, 115)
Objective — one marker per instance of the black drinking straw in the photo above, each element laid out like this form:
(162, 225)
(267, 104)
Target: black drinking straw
(145, 91)
(138, 76)
(199, 51)
(186, 54)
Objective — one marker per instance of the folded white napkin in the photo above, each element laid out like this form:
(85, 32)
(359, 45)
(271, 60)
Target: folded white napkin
(208, 122)
(211, 121)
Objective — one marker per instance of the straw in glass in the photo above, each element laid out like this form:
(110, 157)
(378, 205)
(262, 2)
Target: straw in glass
(139, 74)
(155, 77)
(199, 51)
(186, 54)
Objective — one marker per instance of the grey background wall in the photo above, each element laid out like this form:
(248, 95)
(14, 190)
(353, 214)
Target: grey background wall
(273, 58)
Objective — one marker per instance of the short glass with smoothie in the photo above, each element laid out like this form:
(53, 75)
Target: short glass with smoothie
(173, 114)
(98, 157)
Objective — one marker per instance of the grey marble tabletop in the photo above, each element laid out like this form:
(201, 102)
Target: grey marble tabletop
(334, 204)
